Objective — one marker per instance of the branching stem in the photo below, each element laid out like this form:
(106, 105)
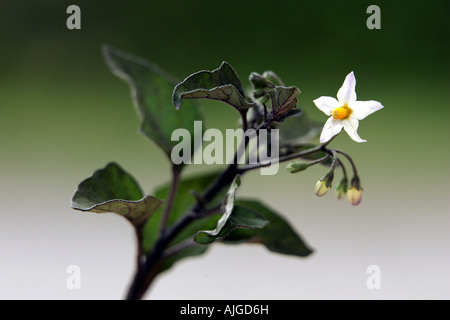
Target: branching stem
(148, 269)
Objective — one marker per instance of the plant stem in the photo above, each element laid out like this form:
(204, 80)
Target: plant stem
(335, 159)
(149, 269)
(320, 160)
(288, 157)
(355, 173)
(145, 275)
(244, 119)
(180, 247)
(140, 252)
(170, 198)
(344, 171)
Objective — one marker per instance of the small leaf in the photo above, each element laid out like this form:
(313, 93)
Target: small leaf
(152, 89)
(262, 84)
(284, 100)
(111, 189)
(227, 209)
(221, 84)
(277, 236)
(240, 217)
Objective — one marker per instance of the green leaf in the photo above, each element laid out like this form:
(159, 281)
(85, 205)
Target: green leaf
(152, 89)
(241, 217)
(111, 189)
(221, 84)
(277, 236)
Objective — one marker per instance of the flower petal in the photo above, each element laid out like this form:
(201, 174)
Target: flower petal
(331, 128)
(362, 109)
(326, 104)
(351, 127)
(347, 93)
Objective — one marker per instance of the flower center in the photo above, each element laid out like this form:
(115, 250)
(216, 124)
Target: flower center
(343, 112)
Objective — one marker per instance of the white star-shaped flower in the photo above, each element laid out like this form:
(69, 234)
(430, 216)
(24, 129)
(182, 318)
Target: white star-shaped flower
(345, 112)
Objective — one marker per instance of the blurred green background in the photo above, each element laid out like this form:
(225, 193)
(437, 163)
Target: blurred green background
(63, 115)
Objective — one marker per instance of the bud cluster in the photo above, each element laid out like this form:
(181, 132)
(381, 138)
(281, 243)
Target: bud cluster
(353, 191)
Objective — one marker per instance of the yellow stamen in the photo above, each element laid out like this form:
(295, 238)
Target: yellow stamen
(343, 112)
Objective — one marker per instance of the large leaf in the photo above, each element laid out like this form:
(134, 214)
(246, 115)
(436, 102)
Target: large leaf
(277, 236)
(111, 189)
(240, 217)
(152, 90)
(221, 84)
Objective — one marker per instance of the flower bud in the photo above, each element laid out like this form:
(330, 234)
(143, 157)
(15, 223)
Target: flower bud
(324, 184)
(258, 94)
(273, 77)
(354, 194)
(258, 81)
(295, 167)
(342, 188)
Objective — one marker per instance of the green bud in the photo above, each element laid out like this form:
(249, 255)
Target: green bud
(295, 167)
(268, 80)
(273, 77)
(259, 81)
(342, 188)
(258, 94)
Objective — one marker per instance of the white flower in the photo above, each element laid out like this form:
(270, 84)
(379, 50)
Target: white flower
(345, 112)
